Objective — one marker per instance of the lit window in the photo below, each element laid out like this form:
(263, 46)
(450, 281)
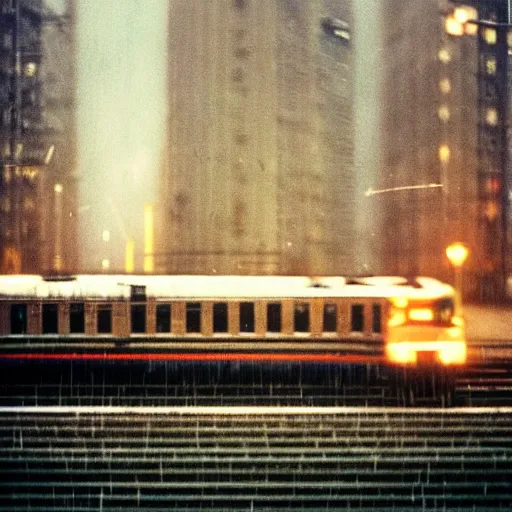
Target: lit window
(445, 85)
(30, 69)
(444, 55)
(509, 39)
(490, 35)
(453, 26)
(444, 153)
(490, 65)
(443, 113)
(491, 116)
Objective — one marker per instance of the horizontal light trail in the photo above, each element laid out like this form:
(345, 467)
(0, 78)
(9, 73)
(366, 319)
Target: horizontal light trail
(371, 192)
(212, 356)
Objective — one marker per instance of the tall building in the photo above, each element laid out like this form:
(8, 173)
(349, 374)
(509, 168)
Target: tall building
(258, 175)
(439, 129)
(21, 151)
(34, 134)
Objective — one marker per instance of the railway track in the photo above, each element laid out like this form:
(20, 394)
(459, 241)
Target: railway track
(264, 459)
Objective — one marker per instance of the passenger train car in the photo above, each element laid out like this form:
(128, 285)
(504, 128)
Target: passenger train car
(400, 322)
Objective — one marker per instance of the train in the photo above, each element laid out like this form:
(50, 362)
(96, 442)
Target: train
(402, 322)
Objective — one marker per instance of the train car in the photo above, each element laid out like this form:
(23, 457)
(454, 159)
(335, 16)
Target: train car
(407, 322)
(401, 323)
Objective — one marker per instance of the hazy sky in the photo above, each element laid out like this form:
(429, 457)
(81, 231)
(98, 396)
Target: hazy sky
(121, 113)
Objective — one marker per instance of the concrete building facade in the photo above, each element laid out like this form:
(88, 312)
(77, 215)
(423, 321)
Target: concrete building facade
(259, 172)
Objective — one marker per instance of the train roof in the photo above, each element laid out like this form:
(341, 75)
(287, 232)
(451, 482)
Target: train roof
(216, 286)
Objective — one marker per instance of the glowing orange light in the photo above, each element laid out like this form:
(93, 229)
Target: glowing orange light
(421, 315)
(457, 253)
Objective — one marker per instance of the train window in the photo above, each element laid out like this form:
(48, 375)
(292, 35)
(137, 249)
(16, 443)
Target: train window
(301, 317)
(138, 318)
(193, 316)
(220, 317)
(246, 316)
(50, 319)
(104, 319)
(18, 318)
(76, 318)
(357, 318)
(376, 318)
(330, 317)
(163, 318)
(274, 317)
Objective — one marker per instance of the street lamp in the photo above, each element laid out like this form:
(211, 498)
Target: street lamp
(457, 253)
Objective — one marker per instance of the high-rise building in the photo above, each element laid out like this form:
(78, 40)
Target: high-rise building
(36, 138)
(433, 158)
(20, 146)
(258, 177)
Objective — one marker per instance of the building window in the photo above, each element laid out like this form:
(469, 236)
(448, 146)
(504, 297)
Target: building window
(18, 318)
(104, 320)
(76, 318)
(490, 65)
(489, 35)
(445, 86)
(138, 318)
(357, 318)
(193, 316)
(330, 318)
(301, 317)
(220, 317)
(274, 317)
(444, 55)
(163, 318)
(444, 154)
(247, 317)
(443, 112)
(491, 116)
(50, 319)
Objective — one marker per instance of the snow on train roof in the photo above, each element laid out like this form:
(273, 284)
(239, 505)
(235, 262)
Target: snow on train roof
(203, 287)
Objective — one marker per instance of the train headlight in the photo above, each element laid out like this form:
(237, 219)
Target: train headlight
(453, 353)
(421, 315)
(400, 353)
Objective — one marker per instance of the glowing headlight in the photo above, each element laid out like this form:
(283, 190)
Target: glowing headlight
(421, 315)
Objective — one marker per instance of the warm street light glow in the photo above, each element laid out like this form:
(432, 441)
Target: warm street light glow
(106, 235)
(58, 188)
(457, 253)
